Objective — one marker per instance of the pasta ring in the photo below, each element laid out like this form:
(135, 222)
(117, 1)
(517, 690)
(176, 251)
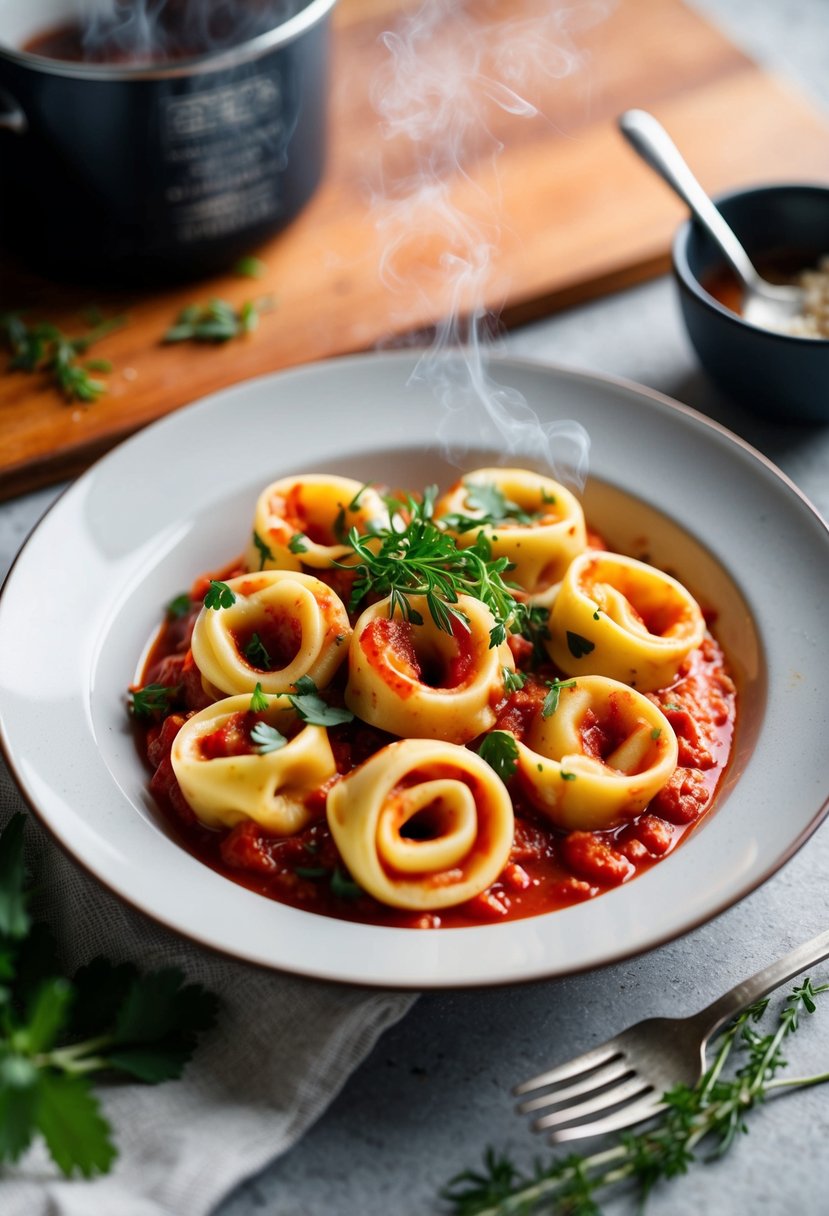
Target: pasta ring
(387, 660)
(313, 513)
(599, 758)
(541, 550)
(619, 617)
(271, 789)
(301, 623)
(422, 824)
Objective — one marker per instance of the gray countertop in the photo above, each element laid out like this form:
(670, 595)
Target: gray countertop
(435, 1091)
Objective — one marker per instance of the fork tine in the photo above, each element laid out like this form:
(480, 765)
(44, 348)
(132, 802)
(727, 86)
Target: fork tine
(616, 1070)
(633, 1088)
(637, 1112)
(604, 1054)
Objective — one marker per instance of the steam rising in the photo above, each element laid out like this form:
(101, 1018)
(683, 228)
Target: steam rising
(445, 78)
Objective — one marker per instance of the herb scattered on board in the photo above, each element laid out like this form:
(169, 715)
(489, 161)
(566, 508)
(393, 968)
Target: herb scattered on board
(250, 267)
(217, 321)
(701, 1122)
(56, 1032)
(43, 348)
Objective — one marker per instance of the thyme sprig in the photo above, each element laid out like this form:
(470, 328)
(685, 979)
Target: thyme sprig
(415, 556)
(708, 1115)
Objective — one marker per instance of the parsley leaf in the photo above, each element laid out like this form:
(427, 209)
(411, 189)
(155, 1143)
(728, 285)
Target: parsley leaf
(313, 709)
(265, 551)
(266, 739)
(45, 348)
(552, 698)
(257, 655)
(513, 680)
(152, 700)
(56, 1031)
(258, 701)
(217, 321)
(500, 750)
(178, 607)
(298, 543)
(219, 595)
(579, 646)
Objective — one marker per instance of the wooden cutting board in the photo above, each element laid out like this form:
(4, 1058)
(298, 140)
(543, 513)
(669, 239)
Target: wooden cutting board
(563, 212)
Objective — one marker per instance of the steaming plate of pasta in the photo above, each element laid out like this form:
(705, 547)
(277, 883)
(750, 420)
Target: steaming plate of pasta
(350, 684)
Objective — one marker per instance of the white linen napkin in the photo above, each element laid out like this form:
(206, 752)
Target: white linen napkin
(281, 1050)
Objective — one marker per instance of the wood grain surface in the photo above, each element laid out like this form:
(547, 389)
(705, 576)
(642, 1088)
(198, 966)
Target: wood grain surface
(528, 212)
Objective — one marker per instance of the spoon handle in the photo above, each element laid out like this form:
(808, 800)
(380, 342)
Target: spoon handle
(653, 143)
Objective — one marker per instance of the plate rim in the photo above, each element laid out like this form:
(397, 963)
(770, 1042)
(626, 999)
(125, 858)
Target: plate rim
(405, 358)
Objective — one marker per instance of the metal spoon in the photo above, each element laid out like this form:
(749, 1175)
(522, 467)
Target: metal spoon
(765, 304)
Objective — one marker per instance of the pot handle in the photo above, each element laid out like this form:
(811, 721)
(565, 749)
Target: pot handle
(12, 117)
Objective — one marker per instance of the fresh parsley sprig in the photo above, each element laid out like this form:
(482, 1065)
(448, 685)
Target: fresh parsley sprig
(219, 595)
(500, 750)
(415, 556)
(554, 696)
(153, 700)
(313, 709)
(707, 1116)
(493, 508)
(57, 1032)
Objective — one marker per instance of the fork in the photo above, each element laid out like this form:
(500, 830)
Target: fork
(621, 1083)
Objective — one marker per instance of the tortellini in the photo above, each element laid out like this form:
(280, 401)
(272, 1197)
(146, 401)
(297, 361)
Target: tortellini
(422, 824)
(418, 681)
(304, 521)
(599, 758)
(225, 779)
(616, 616)
(541, 532)
(283, 625)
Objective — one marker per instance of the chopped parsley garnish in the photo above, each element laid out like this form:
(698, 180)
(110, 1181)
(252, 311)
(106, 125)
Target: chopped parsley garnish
(344, 886)
(258, 701)
(178, 607)
(513, 680)
(567, 776)
(579, 646)
(500, 751)
(266, 739)
(312, 709)
(298, 543)
(257, 655)
(219, 595)
(554, 695)
(265, 552)
(656, 732)
(152, 700)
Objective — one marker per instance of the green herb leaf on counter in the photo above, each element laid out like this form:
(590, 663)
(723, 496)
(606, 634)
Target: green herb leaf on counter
(250, 267)
(57, 1031)
(700, 1123)
(219, 595)
(44, 348)
(216, 321)
(313, 709)
(500, 751)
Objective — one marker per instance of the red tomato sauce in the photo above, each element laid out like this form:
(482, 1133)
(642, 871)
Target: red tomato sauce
(547, 869)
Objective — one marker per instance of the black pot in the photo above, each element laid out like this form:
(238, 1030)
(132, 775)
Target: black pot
(172, 170)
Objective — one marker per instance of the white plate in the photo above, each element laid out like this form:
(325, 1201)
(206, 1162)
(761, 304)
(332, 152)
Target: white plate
(88, 589)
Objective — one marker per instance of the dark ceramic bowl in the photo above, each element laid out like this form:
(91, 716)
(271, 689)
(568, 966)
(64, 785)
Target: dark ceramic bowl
(777, 375)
